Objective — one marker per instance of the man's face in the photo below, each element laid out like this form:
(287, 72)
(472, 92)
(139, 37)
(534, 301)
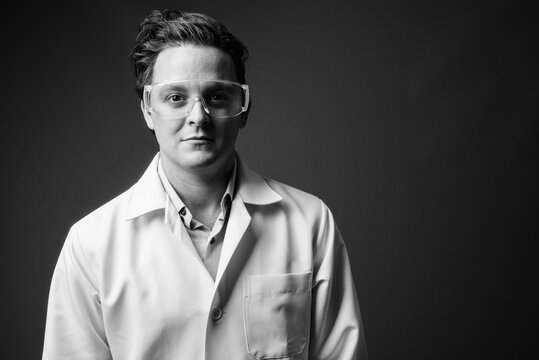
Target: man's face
(197, 141)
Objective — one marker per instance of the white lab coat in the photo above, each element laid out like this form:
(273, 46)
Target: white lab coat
(125, 287)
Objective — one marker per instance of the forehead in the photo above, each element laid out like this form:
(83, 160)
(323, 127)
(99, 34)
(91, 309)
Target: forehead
(185, 62)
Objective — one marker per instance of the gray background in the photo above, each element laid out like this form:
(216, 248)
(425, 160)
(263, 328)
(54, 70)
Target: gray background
(415, 121)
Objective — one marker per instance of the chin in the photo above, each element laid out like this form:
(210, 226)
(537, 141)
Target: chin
(199, 161)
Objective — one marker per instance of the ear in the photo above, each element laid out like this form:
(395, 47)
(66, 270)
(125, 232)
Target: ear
(147, 116)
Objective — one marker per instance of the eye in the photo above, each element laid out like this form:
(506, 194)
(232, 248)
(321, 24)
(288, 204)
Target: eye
(176, 98)
(218, 98)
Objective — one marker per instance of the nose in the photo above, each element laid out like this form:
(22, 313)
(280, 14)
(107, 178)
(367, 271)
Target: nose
(197, 115)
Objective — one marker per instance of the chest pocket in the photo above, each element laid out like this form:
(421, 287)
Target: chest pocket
(277, 312)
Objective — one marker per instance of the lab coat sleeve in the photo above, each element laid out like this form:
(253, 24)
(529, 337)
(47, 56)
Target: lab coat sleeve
(74, 328)
(336, 326)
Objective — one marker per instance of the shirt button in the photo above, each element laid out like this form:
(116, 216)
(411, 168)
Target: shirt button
(216, 313)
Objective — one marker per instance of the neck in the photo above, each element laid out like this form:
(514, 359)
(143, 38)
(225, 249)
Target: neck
(201, 190)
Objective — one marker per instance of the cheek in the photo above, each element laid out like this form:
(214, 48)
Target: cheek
(230, 132)
(167, 128)
(167, 135)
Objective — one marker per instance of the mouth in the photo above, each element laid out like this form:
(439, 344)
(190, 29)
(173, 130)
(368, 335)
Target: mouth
(198, 139)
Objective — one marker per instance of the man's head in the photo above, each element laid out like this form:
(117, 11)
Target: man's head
(168, 28)
(191, 80)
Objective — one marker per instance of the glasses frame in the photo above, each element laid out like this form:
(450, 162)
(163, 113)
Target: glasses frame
(148, 89)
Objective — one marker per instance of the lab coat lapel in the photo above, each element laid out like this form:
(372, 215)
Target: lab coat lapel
(238, 222)
(254, 190)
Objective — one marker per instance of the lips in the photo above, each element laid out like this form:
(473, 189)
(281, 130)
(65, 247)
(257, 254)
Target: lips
(198, 138)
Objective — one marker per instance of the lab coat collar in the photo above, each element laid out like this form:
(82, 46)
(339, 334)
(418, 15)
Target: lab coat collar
(148, 194)
(253, 189)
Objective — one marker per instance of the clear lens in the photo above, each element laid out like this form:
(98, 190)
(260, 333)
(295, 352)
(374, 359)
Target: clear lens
(219, 98)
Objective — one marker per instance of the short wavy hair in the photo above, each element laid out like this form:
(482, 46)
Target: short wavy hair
(163, 29)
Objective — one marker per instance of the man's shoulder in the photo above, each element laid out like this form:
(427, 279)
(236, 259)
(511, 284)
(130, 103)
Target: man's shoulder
(258, 189)
(293, 194)
(300, 207)
(296, 201)
(112, 210)
(143, 197)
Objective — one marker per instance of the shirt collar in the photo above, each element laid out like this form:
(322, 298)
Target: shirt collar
(175, 205)
(149, 194)
(172, 195)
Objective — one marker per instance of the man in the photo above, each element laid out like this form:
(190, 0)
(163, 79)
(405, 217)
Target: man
(202, 258)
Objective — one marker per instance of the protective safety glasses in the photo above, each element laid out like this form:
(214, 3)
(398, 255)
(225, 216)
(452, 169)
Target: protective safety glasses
(175, 99)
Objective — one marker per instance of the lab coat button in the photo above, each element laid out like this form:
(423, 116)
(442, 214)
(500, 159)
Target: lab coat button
(216, 313)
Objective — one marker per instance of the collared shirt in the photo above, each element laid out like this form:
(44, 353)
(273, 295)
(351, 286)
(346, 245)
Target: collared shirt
(126, 287)
(208, 242)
